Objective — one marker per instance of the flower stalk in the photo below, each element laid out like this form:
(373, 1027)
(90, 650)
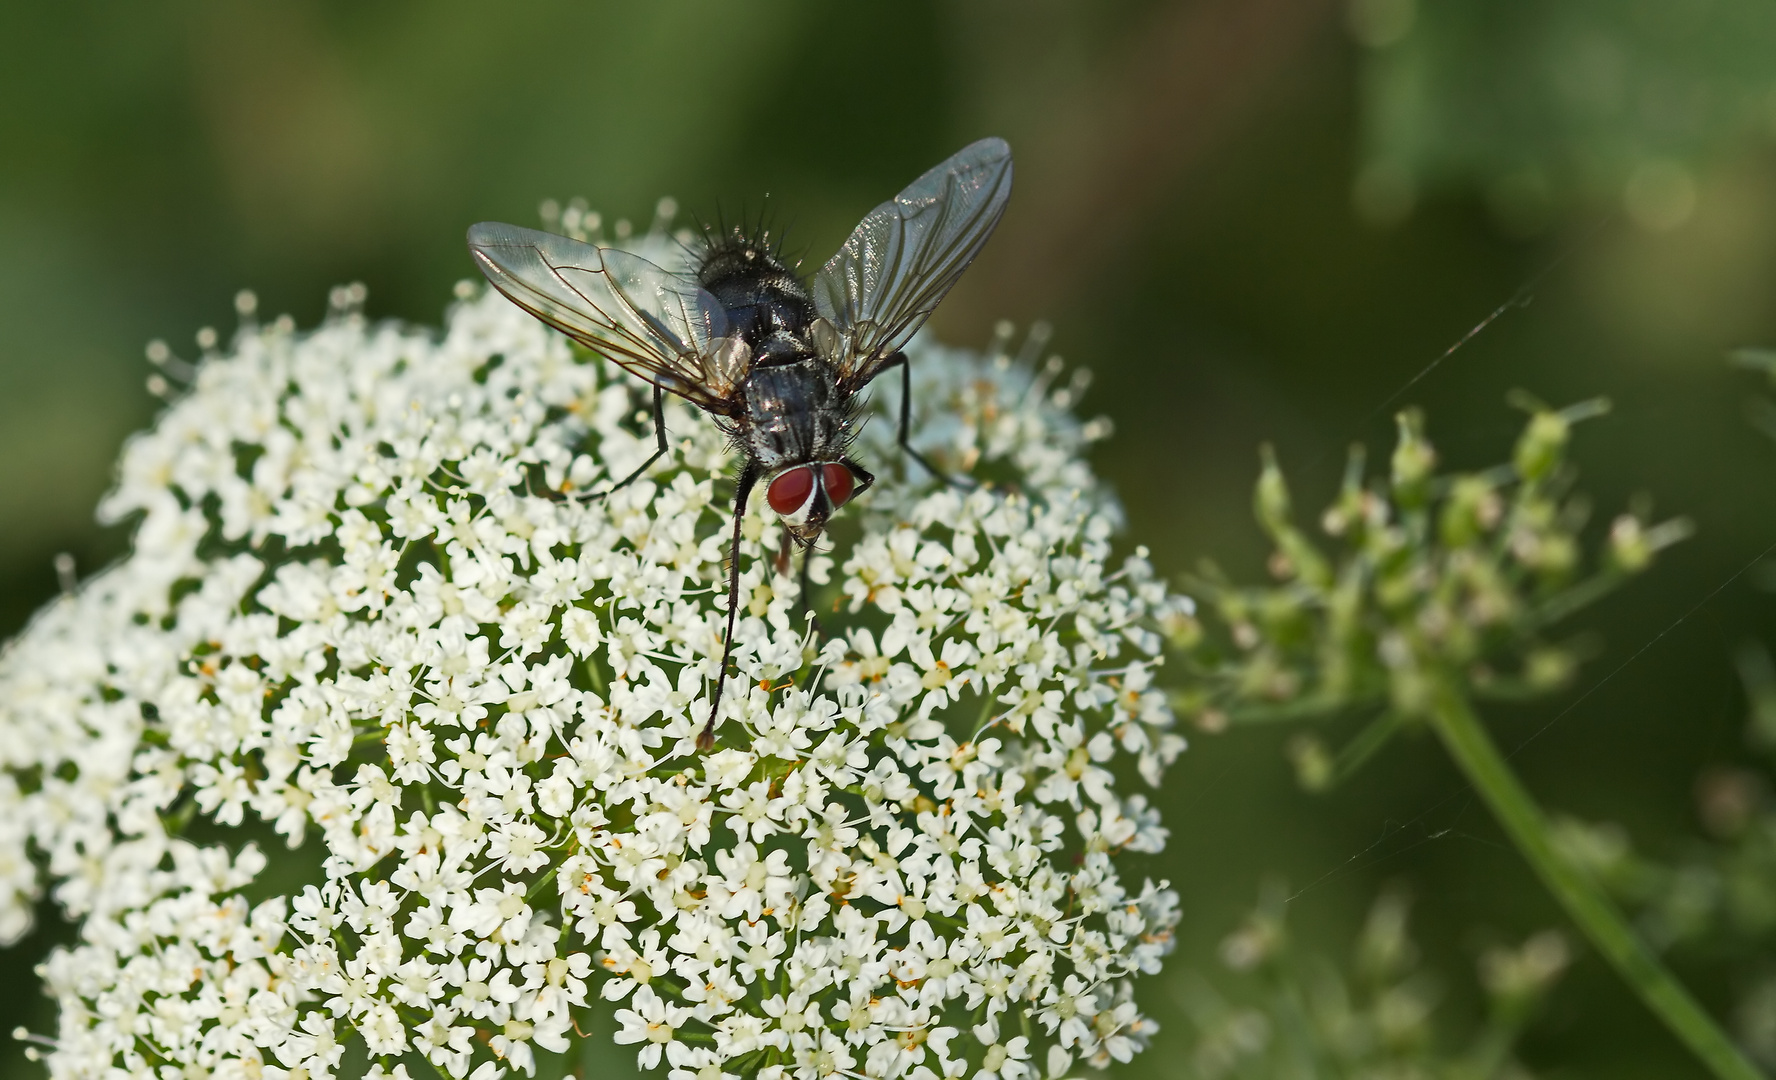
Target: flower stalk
(1583, 899)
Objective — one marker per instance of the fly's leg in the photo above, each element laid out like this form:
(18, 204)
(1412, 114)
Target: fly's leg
(748, 477)
(784, 551)
(784, 554)
(899, 360)
(659, 451)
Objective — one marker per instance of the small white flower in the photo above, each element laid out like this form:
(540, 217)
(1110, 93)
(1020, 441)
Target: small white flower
(651, 1022)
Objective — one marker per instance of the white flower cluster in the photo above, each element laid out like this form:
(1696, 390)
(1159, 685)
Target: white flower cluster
(367, 605)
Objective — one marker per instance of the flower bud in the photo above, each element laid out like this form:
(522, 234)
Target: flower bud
(1313, 762)
(1252, 944)
(1470, 512)
(1181, 629)
(1524, 973)
(1541, 444)
(1271, 499)
(1349, 511)
(1413, 462)
(1549, 668)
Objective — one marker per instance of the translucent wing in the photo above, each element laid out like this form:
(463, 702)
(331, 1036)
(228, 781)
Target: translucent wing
(651, 322)
(904, 256)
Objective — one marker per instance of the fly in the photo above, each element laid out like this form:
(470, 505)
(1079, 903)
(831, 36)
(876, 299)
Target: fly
(779, 361)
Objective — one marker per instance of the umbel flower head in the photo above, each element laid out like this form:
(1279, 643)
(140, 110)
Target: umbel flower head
(370, 607)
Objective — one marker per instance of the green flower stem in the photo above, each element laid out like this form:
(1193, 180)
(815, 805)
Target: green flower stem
(1584, 900)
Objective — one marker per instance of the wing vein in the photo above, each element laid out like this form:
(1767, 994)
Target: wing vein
(639, 316)
(907, 253)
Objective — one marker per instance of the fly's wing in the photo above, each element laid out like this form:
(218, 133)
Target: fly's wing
(904, 256)
(650, 322)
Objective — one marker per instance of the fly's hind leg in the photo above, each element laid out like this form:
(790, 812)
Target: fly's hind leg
(899, 360)
(660, 449)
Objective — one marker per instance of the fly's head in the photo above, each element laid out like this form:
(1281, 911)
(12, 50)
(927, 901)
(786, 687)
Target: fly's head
(805, 496)
(796, 428)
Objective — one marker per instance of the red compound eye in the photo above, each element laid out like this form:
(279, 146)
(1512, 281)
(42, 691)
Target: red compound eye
(790, 491)
(839, 484)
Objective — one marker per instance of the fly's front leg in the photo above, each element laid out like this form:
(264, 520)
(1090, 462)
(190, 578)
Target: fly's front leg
(659, 451)
(784, 550)
(899, 360)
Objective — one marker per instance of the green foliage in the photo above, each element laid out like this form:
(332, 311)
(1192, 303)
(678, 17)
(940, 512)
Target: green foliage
(1541, 106)
(1289, 1013)
(1714, 897)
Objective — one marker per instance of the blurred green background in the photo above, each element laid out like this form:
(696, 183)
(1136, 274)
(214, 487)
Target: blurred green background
(1253, 219)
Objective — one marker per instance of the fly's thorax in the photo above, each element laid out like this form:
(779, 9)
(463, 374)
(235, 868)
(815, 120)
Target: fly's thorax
(735, 255)
(766, 304)
(771, 317)
(793, 414)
